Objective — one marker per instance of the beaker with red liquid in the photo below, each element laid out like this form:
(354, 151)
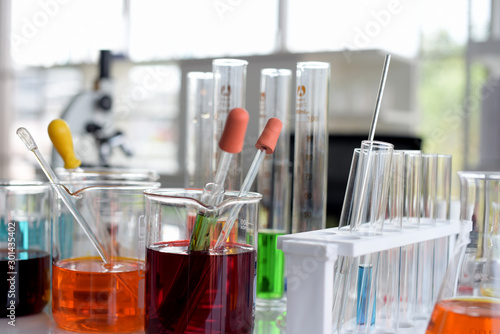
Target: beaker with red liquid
(89, 295)
(25, 209)
(199, 291)
(469, 298)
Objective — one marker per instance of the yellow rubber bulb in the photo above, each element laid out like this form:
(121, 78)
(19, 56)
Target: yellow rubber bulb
(60, 135)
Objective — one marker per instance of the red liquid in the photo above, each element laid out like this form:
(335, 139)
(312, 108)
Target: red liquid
(199, 292)
(30, 276)
(465, 316)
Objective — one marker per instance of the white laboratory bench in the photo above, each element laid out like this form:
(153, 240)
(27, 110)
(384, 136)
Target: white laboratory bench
(42, 323)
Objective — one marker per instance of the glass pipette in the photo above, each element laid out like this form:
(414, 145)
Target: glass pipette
(231, 142)
(265, 145)
(31, 145)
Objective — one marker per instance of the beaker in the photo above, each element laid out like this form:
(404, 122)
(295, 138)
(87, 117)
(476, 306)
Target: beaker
(25, 209)
(199, 291)
(88, 294)
(106, 174)
(469, 298)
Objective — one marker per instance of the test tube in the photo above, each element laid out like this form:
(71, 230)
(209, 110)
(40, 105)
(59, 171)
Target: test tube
(273, 183)
(365, 203)
(396, 192)
(311, 147)
(443, 199)
(229, 85)
(411, 220)
(413, 188)
(199, 128)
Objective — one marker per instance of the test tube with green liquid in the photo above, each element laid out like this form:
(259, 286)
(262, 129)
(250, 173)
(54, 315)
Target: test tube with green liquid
(273, 183)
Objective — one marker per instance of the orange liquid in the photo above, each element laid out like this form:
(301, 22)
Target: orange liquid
(90, 296)
(465, 316)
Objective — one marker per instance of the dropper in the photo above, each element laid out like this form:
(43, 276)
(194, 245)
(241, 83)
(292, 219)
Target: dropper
(265, 145)
(60, 135)
(231, 142)
(31, 145)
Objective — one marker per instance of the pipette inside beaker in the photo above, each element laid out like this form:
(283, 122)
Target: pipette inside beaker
(231, 143)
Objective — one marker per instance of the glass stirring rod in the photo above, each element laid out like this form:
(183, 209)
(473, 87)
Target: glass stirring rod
(265, 145)
(31, 145)
(231, 142)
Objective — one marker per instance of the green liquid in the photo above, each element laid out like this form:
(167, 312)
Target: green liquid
(200, 239)
(270, 266)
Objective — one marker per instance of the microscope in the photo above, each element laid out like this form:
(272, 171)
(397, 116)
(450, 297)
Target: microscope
(91, 120)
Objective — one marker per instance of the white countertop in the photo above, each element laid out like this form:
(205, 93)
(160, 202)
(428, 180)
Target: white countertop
(42, 323)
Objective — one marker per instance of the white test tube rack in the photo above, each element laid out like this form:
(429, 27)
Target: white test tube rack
(310, 259)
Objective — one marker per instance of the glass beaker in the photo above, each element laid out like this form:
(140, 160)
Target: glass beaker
(199, 291)
(88, 294)
(105, 173)
(469, 298)
(24, 247)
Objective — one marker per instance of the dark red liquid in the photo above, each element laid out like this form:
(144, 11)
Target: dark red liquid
(199, 292)
(27, 282)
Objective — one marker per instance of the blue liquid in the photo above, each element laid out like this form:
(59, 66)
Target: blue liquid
(25, 235)
(363, 290)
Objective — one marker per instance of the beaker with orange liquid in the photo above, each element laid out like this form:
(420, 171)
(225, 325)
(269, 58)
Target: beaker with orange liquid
(469, 298)
(89, 295)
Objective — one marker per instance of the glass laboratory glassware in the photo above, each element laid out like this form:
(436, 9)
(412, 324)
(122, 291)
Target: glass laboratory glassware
(199, 291)
(363, 215)
(443, 192)
(199, 128)
(442, 216)
(87, 294)
(412, 188)
(429, 189)
(469, 298)
(273, 182)
(106, 174)
(365, 202)
(425, 250)
(310, 147)
(396, 193)
(229, 91)
(432, 255)
(25, 209)
(411, 220)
